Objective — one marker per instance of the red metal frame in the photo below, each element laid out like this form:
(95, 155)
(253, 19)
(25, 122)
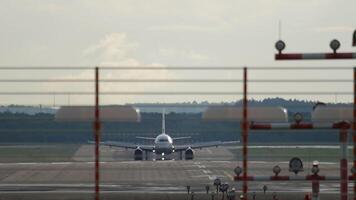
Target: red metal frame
(342, 126)
(343, 165)
(354, 134)
(344, 178)
(266, 126)
(97, 135)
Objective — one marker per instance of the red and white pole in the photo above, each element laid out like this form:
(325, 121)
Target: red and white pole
(244, 135)
(97, 135)
(343, 165)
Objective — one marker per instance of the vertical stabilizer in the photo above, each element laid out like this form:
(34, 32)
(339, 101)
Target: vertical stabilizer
(163, 122)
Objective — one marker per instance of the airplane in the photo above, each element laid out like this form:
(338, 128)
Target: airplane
(163, 145)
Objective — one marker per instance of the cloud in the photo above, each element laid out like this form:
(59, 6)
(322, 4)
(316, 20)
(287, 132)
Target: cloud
(114, 48)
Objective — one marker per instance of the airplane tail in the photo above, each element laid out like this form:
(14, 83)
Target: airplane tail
(163, 122)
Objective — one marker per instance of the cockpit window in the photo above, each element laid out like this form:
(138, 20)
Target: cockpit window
(163, 140)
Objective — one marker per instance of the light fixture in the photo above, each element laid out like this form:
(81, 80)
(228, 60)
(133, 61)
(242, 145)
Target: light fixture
(238, 170)
(295, 165)
(276, 170)
(298, 117)
(335, 45)
(280, 46)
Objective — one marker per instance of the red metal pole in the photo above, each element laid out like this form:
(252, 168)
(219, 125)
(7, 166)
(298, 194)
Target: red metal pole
(97, 134)
(245, 135)
(354, 135)
(315, 189)
(343, 165)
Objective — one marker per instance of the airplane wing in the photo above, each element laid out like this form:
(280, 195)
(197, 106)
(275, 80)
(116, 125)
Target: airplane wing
(204, 145)
(145, 138)
(126, 145)
(181, 138)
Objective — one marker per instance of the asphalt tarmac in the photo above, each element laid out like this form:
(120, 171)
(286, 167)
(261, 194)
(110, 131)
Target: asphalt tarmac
(123, 178)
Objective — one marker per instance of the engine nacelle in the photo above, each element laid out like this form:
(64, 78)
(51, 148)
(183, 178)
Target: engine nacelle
(189, 154)
(138, 154)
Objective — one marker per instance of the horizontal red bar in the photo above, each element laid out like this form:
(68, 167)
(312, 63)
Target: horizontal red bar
(314, 56)
(260, 126)
(315, 177)
(283, 178)
(240, 178)
(342, 125)
(301, 126)
(268, 126)
(290, 56)
(339, 56)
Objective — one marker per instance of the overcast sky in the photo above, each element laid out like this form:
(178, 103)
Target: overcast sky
(166, 33)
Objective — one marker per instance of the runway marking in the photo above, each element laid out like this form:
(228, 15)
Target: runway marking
(61, 163)
(228, 175)
(222, 161)
(212, 177)
(206, 171)
(201, 176)
(259, 162)
(37, 163)
(209, 151)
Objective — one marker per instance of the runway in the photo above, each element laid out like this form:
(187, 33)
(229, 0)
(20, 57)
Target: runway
(121, 175)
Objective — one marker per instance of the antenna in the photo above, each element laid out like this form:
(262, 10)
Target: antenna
(279, 29)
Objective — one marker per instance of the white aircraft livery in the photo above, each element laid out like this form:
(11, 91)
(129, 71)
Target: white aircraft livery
(163, 145)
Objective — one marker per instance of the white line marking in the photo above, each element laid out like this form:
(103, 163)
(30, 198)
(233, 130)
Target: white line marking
(209, 151)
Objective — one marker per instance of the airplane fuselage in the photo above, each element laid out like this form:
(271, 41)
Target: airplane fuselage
(163, 144)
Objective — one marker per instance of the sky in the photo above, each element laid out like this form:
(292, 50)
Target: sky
(171, 33)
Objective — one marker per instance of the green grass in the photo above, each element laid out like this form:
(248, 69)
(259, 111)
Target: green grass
(37, 152)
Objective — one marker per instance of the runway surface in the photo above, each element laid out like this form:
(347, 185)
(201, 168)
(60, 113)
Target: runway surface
(121, 175)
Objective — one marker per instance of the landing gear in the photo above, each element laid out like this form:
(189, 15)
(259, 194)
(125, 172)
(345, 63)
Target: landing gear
(181, 155)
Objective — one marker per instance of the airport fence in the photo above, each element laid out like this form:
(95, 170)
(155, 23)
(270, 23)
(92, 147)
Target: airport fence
(44, 89)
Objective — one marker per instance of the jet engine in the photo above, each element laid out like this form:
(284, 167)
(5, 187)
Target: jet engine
(138, 154)
(189, 154)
